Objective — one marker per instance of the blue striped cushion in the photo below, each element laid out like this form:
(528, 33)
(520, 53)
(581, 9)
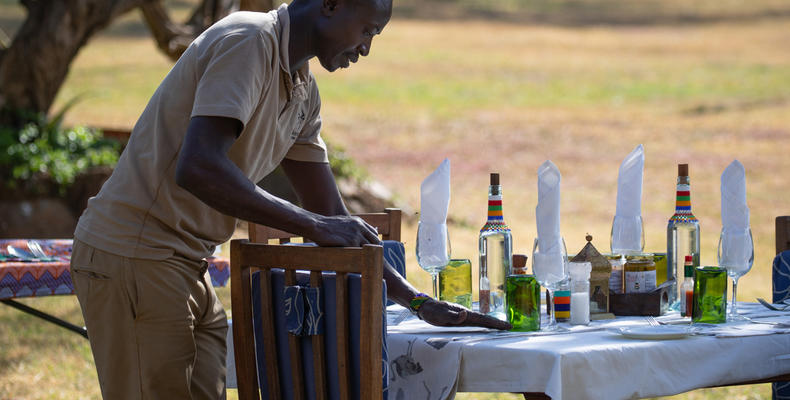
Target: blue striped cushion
(395, 255)
(326, 296)
(781, 292)
(781, 277)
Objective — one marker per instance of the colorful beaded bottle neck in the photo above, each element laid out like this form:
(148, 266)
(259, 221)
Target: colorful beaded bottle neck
(683, 198)
(496, 220)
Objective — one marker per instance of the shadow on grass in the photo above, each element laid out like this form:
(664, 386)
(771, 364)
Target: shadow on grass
(23, 336)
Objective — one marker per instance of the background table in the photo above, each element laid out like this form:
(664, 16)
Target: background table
(589, 363)
(35, 278)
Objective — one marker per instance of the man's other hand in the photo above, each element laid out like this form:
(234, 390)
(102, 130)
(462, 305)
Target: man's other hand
(442, 313)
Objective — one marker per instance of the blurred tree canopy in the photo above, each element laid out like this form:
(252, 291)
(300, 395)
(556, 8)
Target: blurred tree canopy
(35, 64)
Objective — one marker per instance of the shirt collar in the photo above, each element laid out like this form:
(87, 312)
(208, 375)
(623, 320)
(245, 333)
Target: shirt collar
(296, 85)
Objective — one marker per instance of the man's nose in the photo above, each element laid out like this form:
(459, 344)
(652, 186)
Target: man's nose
(364, 48)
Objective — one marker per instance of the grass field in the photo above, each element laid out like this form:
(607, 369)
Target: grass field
(503, 88)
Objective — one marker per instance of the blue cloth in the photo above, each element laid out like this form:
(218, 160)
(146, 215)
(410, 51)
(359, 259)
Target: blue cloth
(781, 277)
(394, 255)
(303, 310)
(781, 292)
(293, 307)
(325, 296)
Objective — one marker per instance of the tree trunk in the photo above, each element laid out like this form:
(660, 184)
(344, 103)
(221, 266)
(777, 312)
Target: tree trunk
(34, 67)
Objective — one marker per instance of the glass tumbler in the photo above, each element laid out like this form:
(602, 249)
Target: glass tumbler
(709, 302)
(455, 282)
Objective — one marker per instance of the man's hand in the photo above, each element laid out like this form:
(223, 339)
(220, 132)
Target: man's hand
(342, 230)
(441, 313)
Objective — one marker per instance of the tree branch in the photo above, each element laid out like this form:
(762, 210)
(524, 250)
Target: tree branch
(173, 38)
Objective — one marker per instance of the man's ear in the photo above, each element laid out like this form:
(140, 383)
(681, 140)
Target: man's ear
(329, 7)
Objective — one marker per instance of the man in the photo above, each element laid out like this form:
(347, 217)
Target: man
(239, 102)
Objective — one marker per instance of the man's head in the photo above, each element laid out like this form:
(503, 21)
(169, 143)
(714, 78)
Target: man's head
(345, 30)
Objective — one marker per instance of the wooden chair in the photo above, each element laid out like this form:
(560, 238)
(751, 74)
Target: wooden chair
(248, 257)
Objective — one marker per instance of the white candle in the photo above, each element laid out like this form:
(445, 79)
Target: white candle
(580, 308)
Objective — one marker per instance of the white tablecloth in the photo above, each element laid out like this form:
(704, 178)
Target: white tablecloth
(589, 362)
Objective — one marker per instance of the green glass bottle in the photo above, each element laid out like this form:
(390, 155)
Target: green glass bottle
(522, 295)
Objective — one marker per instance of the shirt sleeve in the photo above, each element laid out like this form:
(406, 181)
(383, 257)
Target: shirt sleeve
(231, 74)
(309, 145)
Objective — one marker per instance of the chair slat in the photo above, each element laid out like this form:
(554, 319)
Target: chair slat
(393, 233)
(341, 307)
(297, 371)
(242, 328)
(370, 326)
(269, 341)
(319, 355)
(306, 258)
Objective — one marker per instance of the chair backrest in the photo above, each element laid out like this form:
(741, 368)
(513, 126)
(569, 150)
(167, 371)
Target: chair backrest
(388, 224)
(247, 258)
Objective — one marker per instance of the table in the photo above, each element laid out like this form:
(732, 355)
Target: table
(26, 277)
(587, 362)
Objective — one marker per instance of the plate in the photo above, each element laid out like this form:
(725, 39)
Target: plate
(663, 332)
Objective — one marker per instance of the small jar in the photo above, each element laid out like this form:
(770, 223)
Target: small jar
(616, 280)
(640, 274)
(580, 292)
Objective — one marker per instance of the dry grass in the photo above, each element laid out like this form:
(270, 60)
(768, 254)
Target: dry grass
(504, 97)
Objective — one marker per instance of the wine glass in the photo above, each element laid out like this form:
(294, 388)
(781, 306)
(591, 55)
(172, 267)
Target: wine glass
(551, 271)
(736, 254)
(433, 250)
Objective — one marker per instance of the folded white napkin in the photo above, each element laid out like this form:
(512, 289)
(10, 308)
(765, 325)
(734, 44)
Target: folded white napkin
(548, 263)
(434, 204)
(547, 212)
(627, 226)
(734, 211)
(435, 195)
(736, 242)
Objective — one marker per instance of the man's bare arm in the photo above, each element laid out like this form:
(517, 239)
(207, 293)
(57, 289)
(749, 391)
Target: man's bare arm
(205, 170)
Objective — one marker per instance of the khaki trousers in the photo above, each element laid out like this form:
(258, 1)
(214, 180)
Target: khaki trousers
(157, 329)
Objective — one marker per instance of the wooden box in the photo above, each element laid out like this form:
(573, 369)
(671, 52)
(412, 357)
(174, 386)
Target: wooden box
(654, 303)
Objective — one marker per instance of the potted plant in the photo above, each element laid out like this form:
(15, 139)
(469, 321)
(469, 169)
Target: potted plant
(48, 172)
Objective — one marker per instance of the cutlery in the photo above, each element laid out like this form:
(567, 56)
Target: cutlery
(35, 248)
(400, 317)
(771, 306)
(776, 324)
(19, 253)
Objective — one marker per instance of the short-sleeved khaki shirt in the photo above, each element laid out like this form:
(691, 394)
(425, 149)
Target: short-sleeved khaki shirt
(237, 68)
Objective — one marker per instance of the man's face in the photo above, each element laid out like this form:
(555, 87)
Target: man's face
(348, 30)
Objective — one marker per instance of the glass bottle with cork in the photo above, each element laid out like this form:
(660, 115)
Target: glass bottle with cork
(496, 250)
(522, 296)
(682, 233)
